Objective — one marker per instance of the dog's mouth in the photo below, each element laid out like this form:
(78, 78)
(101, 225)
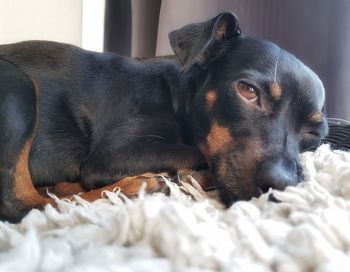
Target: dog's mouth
(244, 190)
(228, 197)
(233, 176)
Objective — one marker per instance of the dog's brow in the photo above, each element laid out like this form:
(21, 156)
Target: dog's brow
(254, 75)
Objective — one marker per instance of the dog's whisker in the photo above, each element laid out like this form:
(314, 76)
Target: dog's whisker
(276, 64)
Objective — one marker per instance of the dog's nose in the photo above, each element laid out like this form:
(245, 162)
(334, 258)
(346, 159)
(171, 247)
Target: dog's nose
(277, 174)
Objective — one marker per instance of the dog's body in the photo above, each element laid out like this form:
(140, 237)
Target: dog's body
(97, 111)
(243, 106)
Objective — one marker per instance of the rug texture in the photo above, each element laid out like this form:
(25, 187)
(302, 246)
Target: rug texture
(308, 230)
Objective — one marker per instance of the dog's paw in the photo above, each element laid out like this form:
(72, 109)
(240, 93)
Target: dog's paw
(203, 177)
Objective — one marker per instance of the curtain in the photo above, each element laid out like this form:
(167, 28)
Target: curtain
(131, 27)
(117, 36)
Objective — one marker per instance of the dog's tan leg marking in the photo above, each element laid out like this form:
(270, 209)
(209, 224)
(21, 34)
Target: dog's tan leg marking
(23, 187)
(62, 189)
(129, 186)
(24, 191)
(276, 91)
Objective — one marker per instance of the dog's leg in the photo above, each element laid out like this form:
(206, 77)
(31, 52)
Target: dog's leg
(154, 182)
(136, 159)
(62, 189)
(129, 186)
(17, 124)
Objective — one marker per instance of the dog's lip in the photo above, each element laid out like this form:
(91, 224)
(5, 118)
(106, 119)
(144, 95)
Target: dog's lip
(255, 193)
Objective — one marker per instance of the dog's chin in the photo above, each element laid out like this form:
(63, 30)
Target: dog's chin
(228, 197)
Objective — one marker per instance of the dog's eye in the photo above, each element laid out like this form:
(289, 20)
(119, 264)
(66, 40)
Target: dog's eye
(247, 91)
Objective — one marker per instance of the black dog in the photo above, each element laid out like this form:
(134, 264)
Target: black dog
(243, 106)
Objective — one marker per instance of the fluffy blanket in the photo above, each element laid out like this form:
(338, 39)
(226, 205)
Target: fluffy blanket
(309, 230)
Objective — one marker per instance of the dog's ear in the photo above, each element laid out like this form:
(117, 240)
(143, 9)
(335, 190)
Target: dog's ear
(201, 43)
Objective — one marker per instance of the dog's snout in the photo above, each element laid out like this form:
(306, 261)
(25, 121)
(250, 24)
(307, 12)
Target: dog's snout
(277, 174)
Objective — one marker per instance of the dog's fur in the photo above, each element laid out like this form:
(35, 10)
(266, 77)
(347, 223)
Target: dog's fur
(243, 106)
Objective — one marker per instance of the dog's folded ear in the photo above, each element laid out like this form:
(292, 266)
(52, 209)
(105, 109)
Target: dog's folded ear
(201, 43)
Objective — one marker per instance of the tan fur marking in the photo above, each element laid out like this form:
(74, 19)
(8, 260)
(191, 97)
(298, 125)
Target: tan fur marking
(129, 186)
(24, 189)
(276, 91)
(62, 189)
(250, 157)
(218, 138)
(316, 117)
(210, 98)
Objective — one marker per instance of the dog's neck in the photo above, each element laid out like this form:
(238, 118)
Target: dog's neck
(182, 96)
(182, 88)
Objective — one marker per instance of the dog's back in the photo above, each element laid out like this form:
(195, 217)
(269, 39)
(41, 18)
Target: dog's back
(45, 61)
(86, 96)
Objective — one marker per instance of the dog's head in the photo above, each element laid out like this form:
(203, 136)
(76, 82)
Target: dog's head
(255, 106)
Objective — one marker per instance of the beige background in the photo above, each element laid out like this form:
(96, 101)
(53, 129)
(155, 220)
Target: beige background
(57, 20)
(78, 22)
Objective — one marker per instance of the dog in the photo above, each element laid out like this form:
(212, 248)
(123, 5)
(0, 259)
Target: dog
(242, 107)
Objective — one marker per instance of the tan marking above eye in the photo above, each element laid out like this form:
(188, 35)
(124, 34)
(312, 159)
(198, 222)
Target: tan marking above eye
(247, 91)
(316, 117)
(210, 98)
(276, 91)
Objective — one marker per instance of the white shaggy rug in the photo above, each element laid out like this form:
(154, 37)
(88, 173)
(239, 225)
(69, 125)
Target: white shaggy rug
(308, 231)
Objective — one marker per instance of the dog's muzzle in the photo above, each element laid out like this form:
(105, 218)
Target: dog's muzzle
(278, 173)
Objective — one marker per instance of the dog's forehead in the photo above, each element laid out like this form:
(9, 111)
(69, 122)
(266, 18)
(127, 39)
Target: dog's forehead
(265, 61)
(298, 79)
(250, 53)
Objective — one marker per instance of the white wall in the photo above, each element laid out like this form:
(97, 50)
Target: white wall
(57, 20)
(93, 24)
